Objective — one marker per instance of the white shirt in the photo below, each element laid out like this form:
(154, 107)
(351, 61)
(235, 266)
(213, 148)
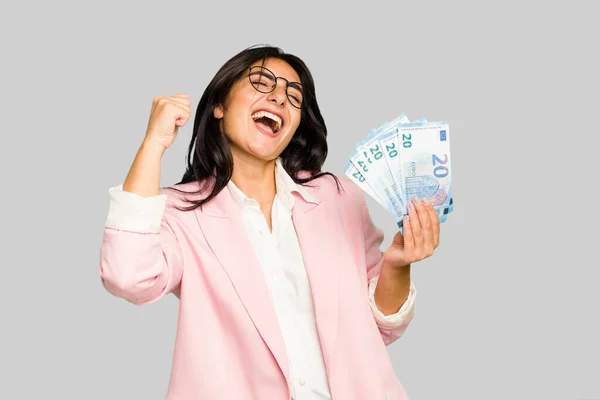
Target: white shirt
(280, 258)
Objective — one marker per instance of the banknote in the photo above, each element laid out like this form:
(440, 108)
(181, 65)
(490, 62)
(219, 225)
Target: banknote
(425, 161)
(352, 172)
(401, 160)
(370, 161)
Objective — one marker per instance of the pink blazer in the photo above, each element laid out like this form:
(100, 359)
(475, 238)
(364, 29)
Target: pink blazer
(228, 343)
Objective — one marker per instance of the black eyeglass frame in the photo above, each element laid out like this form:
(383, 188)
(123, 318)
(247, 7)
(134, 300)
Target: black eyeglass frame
(287, 84)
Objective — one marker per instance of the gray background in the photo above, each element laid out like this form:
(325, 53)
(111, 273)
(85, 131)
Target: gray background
(507, 308)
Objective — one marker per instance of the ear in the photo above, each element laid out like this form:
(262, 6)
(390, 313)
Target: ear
(218, 112)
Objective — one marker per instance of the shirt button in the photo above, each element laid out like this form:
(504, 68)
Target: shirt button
(301, 383)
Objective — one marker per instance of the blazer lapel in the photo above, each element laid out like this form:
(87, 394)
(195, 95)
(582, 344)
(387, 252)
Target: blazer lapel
(225, 232)
(320, 260)
(222, 225)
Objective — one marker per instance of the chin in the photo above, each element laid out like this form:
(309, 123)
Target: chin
(268, 149)
(266, 153)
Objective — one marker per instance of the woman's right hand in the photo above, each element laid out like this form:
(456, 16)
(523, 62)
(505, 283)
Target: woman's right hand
(167, 115)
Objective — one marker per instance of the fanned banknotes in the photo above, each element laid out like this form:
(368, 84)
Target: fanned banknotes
(402, 160)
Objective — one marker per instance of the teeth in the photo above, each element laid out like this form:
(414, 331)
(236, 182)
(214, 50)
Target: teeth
(274, 117)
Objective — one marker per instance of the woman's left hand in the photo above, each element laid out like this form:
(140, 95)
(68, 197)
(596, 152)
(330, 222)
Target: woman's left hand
(421, 236)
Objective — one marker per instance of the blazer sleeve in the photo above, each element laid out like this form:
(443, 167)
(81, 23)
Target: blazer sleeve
(393, 326)
(140, 258)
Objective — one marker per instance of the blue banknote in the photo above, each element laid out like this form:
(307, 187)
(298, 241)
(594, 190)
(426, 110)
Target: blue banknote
(402, 160)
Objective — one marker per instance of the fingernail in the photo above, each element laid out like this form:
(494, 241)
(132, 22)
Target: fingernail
(426, 201)
(416, 200)
(411, 206)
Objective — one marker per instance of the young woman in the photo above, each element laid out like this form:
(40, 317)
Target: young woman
(284, 292)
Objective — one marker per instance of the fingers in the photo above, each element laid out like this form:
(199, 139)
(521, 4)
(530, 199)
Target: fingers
(426, 228)
(415, 225)
(435, 224)
(409, 242)
(178, 114)
(180, 102)
(183, 102)
(179, 99)
(182, 111)
(177, 106)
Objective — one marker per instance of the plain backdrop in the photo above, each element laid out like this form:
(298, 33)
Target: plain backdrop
(508, 306)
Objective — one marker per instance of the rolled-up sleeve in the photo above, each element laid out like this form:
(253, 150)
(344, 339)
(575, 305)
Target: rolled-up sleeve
(141, 259)
(132, 212)
(393, 320)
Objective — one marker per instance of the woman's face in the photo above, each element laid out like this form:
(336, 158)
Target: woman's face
(260, 125)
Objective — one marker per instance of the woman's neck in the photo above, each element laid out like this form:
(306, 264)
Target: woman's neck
(256, 178)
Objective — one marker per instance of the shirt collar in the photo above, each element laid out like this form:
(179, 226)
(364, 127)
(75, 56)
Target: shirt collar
(285, 188)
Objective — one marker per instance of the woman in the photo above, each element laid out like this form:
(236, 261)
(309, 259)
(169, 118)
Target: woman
(284, 292)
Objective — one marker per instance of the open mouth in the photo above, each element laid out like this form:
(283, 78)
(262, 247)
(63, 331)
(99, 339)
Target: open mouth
(267, 121)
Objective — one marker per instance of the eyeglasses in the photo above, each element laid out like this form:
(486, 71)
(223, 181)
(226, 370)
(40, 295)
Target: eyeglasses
(265, 81)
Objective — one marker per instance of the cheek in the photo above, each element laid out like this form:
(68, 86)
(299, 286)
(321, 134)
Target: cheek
(234, 125)
(286, 141)
(296, 123)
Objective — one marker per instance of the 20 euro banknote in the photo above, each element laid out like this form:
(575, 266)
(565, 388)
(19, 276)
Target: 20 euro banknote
(402, 160)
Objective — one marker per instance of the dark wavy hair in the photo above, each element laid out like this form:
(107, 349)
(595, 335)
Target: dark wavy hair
(209, 159)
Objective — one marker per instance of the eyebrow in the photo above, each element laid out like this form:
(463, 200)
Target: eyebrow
(259, 73)
(296, 85)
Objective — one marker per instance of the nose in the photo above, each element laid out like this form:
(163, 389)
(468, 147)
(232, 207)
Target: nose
(278, 95)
